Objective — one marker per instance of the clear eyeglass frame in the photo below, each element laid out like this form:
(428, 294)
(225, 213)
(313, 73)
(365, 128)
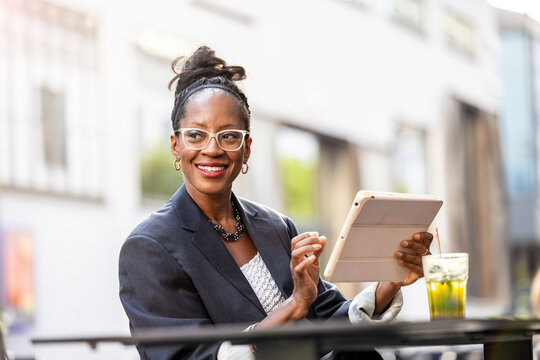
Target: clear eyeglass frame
(210, 136)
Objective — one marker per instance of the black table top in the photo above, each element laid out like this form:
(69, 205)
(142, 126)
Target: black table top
(331, 335)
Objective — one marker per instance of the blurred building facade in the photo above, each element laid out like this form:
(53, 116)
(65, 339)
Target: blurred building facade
(394, 95)
(520, 118)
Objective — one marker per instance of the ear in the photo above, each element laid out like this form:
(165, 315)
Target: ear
(175, 147)
(247, 150)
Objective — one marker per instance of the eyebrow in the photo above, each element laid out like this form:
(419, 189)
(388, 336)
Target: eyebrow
(223, 127)
(198, 124)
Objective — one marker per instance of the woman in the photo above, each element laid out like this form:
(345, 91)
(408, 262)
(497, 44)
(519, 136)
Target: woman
(208, 257)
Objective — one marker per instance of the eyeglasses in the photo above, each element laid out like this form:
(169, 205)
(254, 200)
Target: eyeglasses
(198, 139)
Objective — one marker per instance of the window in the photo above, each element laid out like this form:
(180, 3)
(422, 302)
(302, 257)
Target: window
(298, 155)
(242, 11)
(158, 179)
(48, 106)
(359, 3)
(459, 33)
(517, 120)
(410, 173)
(53, 128)
(410, 13)
(536, 79)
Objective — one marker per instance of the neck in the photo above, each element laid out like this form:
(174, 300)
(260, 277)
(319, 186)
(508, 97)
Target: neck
(216, 207)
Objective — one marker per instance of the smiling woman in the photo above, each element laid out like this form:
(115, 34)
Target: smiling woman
(210, 144)
(208, 257)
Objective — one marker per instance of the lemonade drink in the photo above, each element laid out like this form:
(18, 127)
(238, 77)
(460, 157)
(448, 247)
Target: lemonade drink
(446, 279)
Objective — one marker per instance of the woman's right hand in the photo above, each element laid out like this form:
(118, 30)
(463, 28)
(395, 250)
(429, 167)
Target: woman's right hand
(305, 270)
(305, 275)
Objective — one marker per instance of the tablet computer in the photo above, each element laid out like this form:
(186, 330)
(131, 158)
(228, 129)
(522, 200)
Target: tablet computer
(375, 225)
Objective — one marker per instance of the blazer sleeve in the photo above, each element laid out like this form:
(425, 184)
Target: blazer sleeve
(330, 303)
(156, 292)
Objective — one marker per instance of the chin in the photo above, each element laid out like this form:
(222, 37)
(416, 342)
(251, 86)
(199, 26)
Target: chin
(210, 188)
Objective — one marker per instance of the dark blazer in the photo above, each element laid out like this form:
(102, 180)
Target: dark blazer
(175, 271)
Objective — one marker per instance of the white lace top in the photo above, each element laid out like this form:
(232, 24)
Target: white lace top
(361, 308)
(262, 282)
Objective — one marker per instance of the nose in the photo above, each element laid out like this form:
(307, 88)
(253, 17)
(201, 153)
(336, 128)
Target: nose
(212, 147)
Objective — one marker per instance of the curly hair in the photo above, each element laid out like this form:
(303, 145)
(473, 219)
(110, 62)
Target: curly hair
(203, 69)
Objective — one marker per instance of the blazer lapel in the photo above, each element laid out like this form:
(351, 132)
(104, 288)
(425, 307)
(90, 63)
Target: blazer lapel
(270, 247)
(206, 239)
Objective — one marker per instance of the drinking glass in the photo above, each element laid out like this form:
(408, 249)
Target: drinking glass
(446, 279)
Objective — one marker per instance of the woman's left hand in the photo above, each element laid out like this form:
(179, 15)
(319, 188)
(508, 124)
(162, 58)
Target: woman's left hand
(419, 243)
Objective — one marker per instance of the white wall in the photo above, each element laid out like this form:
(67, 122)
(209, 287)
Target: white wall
(76, 247)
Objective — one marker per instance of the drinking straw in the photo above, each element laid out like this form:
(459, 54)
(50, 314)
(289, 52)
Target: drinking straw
(438, 240)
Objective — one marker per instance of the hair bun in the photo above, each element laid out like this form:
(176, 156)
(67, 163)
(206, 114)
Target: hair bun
(201, 70)
(203, 63)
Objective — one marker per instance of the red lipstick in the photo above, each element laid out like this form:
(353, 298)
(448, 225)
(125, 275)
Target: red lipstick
(211, 169)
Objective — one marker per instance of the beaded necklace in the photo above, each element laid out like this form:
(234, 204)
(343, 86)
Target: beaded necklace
(239, 227)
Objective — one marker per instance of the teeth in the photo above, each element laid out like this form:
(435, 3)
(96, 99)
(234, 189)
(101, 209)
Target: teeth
(211, 168)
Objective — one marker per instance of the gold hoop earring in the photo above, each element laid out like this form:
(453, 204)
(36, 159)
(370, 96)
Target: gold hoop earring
(245, 169)
(177, 164)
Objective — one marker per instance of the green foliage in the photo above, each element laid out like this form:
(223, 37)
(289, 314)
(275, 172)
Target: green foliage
(299, 179)
(401, 188)
(158, 177)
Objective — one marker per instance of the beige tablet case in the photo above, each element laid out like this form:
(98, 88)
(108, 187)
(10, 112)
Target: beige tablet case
(376, 224)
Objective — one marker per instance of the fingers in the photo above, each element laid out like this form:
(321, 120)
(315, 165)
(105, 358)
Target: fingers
(413, 266)
(411, 256)
(419, 243)
(419, 248)
(424, 237)
(301, 237)
(304, 250)
(302, 266)
(406, 258)
(307, 243)
(322, 242)
(314, 240)
(310, 251)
